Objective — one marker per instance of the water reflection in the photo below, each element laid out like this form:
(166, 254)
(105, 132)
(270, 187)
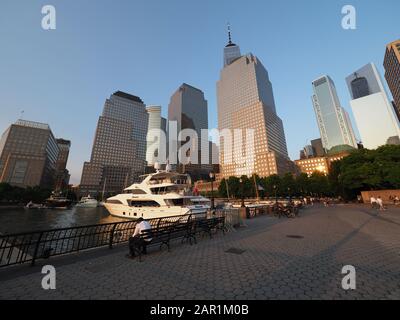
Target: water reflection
(24, 220)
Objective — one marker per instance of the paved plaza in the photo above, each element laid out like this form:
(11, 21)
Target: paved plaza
(271, 258)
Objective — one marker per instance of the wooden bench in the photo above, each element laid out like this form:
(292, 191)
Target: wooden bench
(206, 226)
(185, 229)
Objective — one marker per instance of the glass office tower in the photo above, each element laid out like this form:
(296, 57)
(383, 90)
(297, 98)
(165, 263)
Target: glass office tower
(246, 101)
(374, 114)
(333, 121)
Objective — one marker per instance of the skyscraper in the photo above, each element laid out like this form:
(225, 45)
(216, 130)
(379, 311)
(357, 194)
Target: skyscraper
(333, 121)
(246, 101)
(318, 147)
(154, 144)
(231, 50)
(189, 109)
(62, 175)
(28, 155)
(119, 148)
(373, 112)
(392, 72)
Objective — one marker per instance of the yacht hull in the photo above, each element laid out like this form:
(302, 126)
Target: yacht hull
(126, 212)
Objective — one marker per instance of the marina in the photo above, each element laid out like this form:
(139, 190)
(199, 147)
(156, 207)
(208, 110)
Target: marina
(40, 219)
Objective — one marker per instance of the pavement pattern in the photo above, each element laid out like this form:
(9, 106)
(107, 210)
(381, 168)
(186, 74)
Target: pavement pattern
(262, 263)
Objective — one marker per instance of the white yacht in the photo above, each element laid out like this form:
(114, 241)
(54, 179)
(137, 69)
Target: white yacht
(160, 194)
(87, 202)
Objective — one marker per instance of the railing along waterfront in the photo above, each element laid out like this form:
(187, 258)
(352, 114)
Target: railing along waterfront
(29, 247)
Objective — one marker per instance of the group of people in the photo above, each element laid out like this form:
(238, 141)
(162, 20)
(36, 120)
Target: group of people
(377, 203)
(395, 200)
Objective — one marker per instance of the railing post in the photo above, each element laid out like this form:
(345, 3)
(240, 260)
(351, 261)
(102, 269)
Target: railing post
(110, 245)
(36, 249)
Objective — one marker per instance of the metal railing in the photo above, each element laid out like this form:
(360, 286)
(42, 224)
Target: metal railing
(31, 246)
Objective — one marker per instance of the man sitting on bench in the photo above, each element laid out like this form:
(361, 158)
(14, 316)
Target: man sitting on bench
(136, 241)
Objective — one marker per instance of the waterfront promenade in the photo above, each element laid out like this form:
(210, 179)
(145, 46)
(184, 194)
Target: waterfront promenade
(265, 262)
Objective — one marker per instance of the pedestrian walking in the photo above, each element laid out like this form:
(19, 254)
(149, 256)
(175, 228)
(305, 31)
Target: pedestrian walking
(373, 203)
(379, 201)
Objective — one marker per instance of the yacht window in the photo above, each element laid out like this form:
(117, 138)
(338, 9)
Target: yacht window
(175, 202)
(114, 201)
(143, 203)
(138, 191)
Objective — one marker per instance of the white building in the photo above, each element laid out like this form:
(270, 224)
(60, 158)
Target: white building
(333, 121)
(155, 146)
(373, 112)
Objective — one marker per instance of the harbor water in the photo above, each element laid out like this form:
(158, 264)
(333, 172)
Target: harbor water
(18, 220)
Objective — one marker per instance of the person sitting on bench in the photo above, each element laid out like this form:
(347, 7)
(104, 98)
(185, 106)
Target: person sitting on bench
(136, 241)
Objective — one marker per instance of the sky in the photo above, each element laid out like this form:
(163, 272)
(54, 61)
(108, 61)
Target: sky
(149, 48)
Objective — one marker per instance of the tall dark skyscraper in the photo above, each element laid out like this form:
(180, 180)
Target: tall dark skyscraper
(62, 175)
(189, 109)
(119, 148)
(392, 72)
(318, 147)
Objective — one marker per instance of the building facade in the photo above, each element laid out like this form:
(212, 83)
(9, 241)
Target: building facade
(318, 148)
(188, 108)
(319, 164)
(62, 174)
(392, 72)
(28, 155)
(375, 117)
(333, 121)
(119, 149)
(246, 102)
(156, 146)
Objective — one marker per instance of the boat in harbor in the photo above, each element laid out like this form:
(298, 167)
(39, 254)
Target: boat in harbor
(87, 202)
(161, 194)
(57, 202)
(32, 205)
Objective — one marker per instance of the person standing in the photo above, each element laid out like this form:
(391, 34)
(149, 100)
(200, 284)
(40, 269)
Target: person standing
(136, 241)
(373, 202)
(379, 201)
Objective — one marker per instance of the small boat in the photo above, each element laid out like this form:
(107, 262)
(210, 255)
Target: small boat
(87, 202)
(57, 202)
(31, 205)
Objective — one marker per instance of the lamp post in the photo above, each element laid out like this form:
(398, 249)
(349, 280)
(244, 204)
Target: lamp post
(276, 195)
(212, 176)
(242, 191)
(290, 195)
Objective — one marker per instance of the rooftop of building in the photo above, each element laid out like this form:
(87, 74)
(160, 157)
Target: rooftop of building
(185, 85)
(32, 124)
(394, 43)
(128, 96)
(63, 141)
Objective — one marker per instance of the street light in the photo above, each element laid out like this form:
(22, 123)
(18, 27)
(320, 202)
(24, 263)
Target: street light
(290, 195)
(242, 189)
(212, 176)
(276, 195)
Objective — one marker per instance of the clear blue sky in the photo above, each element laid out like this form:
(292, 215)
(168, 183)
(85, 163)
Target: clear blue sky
(148, 48)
